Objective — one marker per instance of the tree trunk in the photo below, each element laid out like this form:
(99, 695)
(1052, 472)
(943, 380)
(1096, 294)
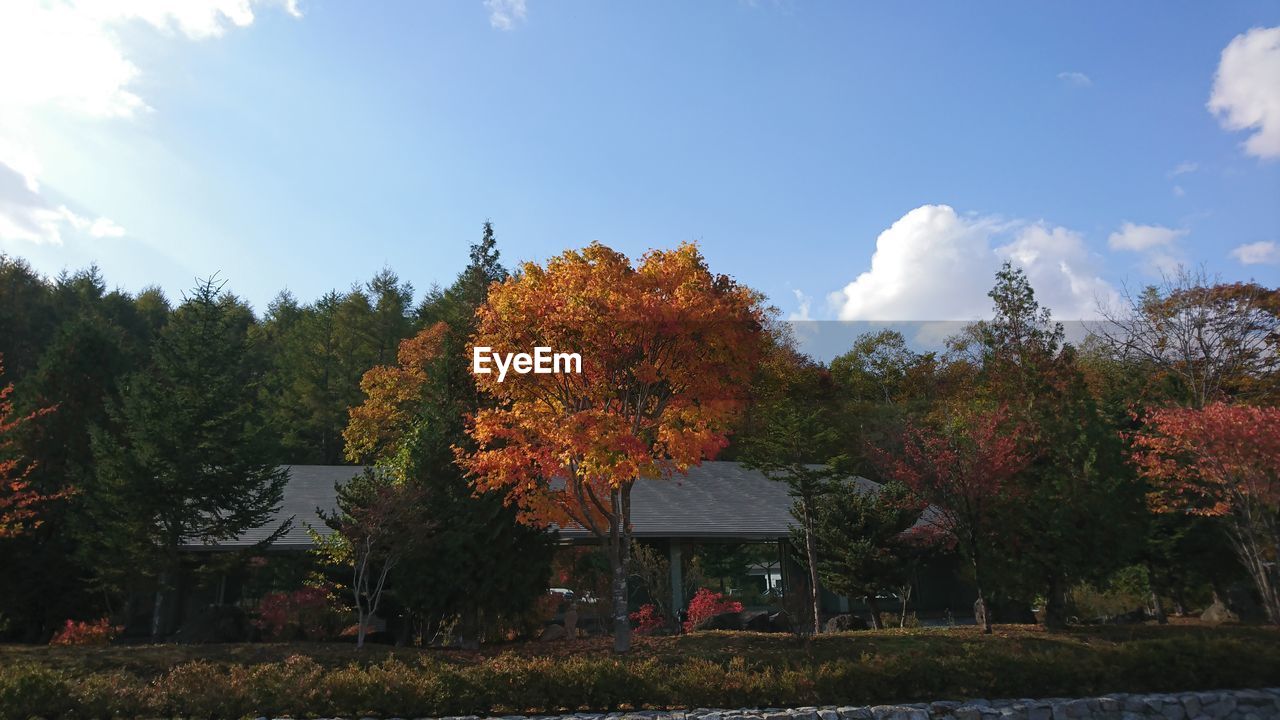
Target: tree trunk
(1157, 605)
(620, 558)
(873, 609)
(469, 635)
(811, 553)
(905, 592)
(1255, 534)
(1055, 606)
(157, 613)
(981, 613)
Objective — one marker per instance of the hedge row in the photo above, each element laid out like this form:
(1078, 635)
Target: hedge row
(300, 687)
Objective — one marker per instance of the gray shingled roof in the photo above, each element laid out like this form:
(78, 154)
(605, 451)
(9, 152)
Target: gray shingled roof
(716, 500)
(309, 487)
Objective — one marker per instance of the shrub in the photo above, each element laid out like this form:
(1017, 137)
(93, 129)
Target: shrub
(706, 604)
(98, 632)
(894, 620)
(30, 691)
(647, 620)
(861, 673)
(307, 614)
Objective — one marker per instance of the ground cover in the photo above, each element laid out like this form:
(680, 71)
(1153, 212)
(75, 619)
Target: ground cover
(705, 669)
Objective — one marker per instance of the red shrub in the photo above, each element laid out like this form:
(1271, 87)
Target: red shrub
(99, 632)
(307, 613)
(706, 604)
(647, 619)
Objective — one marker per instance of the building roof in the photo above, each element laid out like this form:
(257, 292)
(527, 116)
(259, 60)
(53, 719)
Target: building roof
(309, 487)
(717, 500)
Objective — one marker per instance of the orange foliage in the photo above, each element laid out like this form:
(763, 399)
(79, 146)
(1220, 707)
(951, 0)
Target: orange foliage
(19, 502)
(1209, 461)
(667, 350)
(376, 425)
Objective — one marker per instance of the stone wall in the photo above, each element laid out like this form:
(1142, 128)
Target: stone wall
(1210, 705)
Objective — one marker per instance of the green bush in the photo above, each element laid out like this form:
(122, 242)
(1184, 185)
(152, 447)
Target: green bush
(902, 666)
(29, 690)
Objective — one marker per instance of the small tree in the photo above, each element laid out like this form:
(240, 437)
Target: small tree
(375, 525)
(967, 472)
(861, 538)
(20, 503)
(796, 435)
(1221, 461)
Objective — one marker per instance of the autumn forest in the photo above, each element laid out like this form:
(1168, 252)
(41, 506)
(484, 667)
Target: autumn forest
(1140, 463)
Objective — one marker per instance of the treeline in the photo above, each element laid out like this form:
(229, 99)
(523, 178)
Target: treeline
(1138, 468)
(122, 403)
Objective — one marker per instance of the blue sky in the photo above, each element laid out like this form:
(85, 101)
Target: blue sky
(852, 160)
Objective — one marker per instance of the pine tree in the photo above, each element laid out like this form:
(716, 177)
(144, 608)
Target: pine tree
(185, 458)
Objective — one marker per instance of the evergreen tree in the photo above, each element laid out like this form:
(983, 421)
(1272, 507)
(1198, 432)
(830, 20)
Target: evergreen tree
(185, 457)
(796, 442)
(480, 565)
(863, 549)
(1082, 504)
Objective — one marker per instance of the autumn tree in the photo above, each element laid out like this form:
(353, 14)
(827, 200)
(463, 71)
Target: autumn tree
(1221, 461)
(862, 539)
(1208, 341)
(375, 525)
(1078, 519)
(20, 504)
(480, 566)
(968, 471)
(667, 348)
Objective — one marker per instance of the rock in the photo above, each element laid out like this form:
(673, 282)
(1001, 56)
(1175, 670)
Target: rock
(757, 622)
(844, 623)
(780, 622)
(1218, 612)
(1133, 617)
(721, 621)
(552, 633)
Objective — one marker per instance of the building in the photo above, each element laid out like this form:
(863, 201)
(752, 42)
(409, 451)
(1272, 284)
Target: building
(715, 502)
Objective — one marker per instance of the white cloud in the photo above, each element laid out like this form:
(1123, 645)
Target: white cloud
(1158, 245)
(1075, 79)
(1259, 253)
(1141, 238)
(1183, 168)
(72, 58)
(25, 215)
(1246, 89)
(505, 14)
(1178, 191)
(105, 227)
(804, 304)
(66, 55)
(934, 264)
